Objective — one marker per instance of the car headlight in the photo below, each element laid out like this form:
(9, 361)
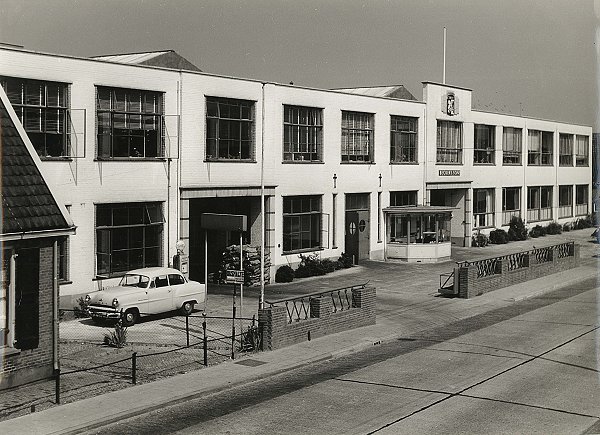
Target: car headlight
(88, 298)
(115, 303)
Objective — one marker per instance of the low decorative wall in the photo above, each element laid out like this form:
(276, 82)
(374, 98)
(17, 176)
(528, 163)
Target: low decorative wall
(478, 277)
(297, 320)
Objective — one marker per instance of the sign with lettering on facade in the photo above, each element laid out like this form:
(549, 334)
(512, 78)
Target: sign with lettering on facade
(449, 172)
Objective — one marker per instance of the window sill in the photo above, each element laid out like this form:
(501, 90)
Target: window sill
(64, 282)
(130, 159)
(7, 351)
(55, 159)
(484, 228)
(582, 166)
(404, 163)
(343, 162)
(448, 164)
(301, 251)
(303, 162)
(229, 161)
(565, 166)
(511, 164)
(483, 164)
(539, 164)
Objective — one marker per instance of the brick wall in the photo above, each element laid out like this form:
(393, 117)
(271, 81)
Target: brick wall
(470, 285)
(21, 366)
(277, 332)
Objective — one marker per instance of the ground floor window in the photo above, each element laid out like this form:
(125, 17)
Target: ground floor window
(419, 228)
(565, 201)
(128, 236)
(483, 208)
(511, 204)
(581, 199)
(539, 203)
(301, 223)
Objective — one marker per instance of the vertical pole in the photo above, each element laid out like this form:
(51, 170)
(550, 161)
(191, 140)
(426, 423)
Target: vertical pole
(134, 368)
(233, 325)
(187, 330)
(205, 268)
(444, 70)
(242, 283)
(57, 385)
(262, 202)
(204, 340)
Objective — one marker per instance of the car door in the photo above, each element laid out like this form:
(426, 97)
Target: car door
(160, 296)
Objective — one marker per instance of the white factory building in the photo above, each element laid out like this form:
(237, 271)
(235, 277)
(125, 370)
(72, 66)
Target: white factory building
(138, 146)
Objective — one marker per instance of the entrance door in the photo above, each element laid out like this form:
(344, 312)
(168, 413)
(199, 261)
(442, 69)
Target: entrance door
(363, 235)
(352, 238)
(357, 243)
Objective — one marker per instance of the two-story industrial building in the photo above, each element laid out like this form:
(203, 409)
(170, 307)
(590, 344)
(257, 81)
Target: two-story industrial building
(139, 146)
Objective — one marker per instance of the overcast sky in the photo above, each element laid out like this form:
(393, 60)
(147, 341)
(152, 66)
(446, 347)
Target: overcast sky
(535, 57)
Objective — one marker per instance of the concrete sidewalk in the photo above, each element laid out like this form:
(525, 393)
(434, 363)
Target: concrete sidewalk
(404, 310)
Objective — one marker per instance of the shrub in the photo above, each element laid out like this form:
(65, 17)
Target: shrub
(328, 265)
(583, 223)
(81, 310)
(516, 229)
(118, 337)
(498, 237)
(480, 240)
(284, 274)
(554, 228)
(345, 260)
(310, 265)
(537, 231)
(566, 227)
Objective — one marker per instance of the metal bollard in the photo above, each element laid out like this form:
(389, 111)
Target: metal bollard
(205, 341)
(57, 385)
(134, 367)
(187, 330)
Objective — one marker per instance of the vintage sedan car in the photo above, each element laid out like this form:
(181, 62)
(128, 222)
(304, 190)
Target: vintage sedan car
(151, 290)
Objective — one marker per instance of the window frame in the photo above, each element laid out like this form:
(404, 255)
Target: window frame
(148, 216)
(123, 111)
(545, 155)
(455, 153)
(582, 160)
(565, 149)
(313, 134)
(353, 134)
(481, 155)
(404, 142)
(565, 205)
(537, 212)
(483, 218)
(507, 213)
(24, 108)
(407, 198)
(512, 157)
(221, 120)
(295, 213)
(581, 208)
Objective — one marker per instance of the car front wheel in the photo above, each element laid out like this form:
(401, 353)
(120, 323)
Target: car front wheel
(187, 308)
(130, 317)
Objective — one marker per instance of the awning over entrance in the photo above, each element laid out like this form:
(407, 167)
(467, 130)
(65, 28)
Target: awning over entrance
(224, 192)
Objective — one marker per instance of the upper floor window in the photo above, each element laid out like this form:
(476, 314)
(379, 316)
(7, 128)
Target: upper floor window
(484, 144)
(540, 148)
(302, 134)
(582, 150)
(408, 197)
(229, 129)
(301, 223)
(511, 146)
(129, 123)
(357, 137)
(449, 142)
(565, 149)
(42, 109)
(403, 134)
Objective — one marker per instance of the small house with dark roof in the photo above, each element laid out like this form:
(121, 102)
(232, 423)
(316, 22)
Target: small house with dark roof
(32, 227)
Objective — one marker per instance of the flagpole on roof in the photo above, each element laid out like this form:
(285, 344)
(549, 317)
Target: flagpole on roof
(444, 68)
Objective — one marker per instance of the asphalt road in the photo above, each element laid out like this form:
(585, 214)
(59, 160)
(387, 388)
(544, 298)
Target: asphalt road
(531, 367)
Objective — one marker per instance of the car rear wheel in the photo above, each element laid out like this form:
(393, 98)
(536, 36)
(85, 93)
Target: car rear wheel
(130, 317)
(187, 308)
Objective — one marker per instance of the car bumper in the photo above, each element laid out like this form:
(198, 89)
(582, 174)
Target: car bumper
(104, 312)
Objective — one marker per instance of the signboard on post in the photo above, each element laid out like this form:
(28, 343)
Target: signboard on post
(234, 277)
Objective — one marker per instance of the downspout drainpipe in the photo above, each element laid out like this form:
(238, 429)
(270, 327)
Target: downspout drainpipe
(55, 302)
(261, 301)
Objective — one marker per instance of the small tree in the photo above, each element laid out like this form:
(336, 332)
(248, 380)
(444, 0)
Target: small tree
(517, 229)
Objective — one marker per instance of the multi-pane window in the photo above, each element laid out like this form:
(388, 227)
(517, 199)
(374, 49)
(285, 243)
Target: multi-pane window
(129, 123)
(63, 259)
(484, 144)
(581, 199)
(565, 201)
(408, 197)
(511, 146)
(301, 223)
(483, 208)
(540, 148)
(404, 139)
(582, 150)
(357, 137)
(5, 298)
(42, 109)
(539, 203)
(565, 149)
(302, 133)
(449, 142)
(511, 204)
(229, 129)
(128, 236)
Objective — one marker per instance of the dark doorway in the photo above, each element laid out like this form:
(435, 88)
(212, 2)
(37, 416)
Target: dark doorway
(27, 299)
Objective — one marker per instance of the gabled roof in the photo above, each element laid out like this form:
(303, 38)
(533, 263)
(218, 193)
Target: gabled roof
(395, 91)
(165, 59)
(29, 209)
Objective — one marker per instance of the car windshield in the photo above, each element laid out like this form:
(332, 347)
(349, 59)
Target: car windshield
(134, 280)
